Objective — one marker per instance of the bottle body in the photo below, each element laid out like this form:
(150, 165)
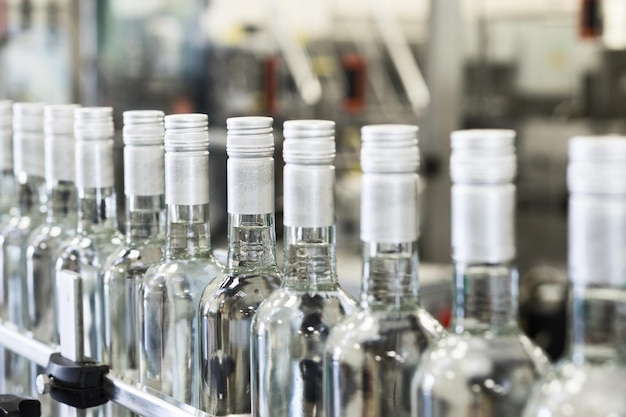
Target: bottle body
(487, 366)
(227, 307)
(97, 237)
(14, 243)
(170, 295)
(13, 247)
(121, 276)
(43, 247)
(371, 356)
(122, 273)
(290, 331)
(370, 361)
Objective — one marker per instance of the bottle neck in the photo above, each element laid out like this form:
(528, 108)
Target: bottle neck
(486, 297)
(389, 276)
(252, 241)
(62, 202)
(598, 325)
(96, 209)
(188, 231)
(31, 195)
(310, 258)
(144, 218)
(596, 264)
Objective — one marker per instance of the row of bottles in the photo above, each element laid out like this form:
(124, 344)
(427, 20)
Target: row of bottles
(246, 338)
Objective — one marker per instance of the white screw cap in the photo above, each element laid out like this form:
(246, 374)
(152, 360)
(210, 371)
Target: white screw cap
(309, 142)
(143, 127)
(186, 132)
(597, 164)
(389, 148)
(93, 123)
(249, 137)
(483, 156)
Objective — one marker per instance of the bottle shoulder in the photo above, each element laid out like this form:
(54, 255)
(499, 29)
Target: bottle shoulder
(234, 292)
(194, 273)
(127, 261)
(469, 357)
(46, 235)
(17, 230)
(90, 249)
(579, 390)
(106, 237)
(370, 328)
(294, 309)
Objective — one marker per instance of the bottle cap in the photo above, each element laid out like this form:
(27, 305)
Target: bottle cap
(93, 123)
(309, 141)
(143, 127)
(6, 113)
(597, 164)
(59, 119)
(389, 148)
(483, 156)
(28, 117)
(186, 132)
(249, 137)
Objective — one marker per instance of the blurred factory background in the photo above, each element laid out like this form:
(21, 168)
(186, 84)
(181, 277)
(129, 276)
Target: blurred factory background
(550, 69)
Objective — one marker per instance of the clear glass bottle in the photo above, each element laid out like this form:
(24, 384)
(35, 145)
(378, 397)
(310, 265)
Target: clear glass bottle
(589, 380)
(169, 360)
(229, 302)
(45, 241)
(291, 326)
(122, 272)
(28, 157)
(486, 365)
(97, 235)
(8, 197)
(371, 355)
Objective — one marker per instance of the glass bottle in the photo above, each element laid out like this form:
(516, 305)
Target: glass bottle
(486, 365)
(291, 326)
(229, 302)
(589, 380)
(96, 235)
(123, 270)
(170, 291)
(371, 355)
(8, 197)
(60, 224)
(28, 157)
